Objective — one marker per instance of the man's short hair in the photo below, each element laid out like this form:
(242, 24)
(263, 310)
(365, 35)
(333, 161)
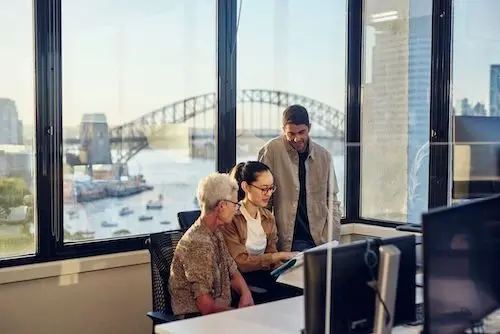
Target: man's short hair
(296, 114)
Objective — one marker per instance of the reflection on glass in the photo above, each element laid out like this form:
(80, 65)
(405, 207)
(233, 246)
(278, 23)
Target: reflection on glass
(138, 111)
(476, 99)
(281, 62)
(17, 111)
(395, 109)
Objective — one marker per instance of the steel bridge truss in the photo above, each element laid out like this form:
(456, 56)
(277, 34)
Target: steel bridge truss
(139, 133)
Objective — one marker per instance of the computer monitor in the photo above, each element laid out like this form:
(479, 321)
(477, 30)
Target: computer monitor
(352, 306)
(461, 246)
(476, 156)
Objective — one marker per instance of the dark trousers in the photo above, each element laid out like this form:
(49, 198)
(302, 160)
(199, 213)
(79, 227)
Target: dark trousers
(274, 290)
(302, 245)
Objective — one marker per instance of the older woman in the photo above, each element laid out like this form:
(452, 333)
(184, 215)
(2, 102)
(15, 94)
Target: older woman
(203, 271)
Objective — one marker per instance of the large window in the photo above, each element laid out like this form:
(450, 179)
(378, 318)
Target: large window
(145, 91)
(395, 109)
(291, 52)
(139, 81)
(17, 116)
(476, 99)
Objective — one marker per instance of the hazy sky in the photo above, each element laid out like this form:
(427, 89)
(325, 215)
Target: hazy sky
(126, 58)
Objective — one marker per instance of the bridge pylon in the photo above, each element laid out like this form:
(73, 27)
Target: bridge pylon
(94, 148)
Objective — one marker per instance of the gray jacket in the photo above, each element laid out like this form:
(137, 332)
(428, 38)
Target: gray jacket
(321, 190)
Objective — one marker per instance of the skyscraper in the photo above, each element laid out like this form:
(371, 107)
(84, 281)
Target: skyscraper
(494, 90)
(395, 129)
(10, 125)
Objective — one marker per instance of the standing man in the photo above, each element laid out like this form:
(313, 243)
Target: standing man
(306, 184)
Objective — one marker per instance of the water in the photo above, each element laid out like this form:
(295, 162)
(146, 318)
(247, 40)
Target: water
(173, 174)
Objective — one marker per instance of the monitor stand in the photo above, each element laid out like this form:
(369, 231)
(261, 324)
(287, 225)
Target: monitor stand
(389, 256)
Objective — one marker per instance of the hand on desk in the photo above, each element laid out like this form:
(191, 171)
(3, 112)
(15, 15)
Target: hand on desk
(246, 300)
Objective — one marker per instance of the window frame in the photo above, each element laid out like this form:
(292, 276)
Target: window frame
(48, 126)
(439, 115)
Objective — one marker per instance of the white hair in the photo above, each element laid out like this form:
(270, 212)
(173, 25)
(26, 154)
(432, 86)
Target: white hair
(214, 188)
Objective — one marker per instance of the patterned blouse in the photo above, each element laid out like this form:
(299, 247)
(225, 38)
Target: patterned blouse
(201, 265)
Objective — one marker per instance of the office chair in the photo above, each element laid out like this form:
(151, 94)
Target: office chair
(161, 250)
(187, 218)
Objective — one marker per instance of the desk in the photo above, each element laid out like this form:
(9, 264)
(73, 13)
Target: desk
(281, 317)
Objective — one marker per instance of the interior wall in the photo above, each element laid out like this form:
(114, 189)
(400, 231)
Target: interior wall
(104, 301)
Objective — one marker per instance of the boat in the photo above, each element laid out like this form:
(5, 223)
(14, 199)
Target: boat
(165, 222)
(155, 205)
(144, 218)
(73, 214)
(106, 224)
(125, 211)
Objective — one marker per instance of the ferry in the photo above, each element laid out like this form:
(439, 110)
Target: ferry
(106, 224)
(155, 205)
(125, 211)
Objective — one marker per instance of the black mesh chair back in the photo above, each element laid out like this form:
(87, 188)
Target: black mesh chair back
(187, 218)
(161, 249)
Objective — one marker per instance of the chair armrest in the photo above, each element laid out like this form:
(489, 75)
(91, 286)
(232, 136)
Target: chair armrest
(159, 317)
(257, 289)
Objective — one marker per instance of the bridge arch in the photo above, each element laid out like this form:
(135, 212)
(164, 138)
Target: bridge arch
(178, 112)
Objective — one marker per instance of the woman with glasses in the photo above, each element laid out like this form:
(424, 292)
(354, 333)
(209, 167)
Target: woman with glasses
(252, 236)
(203, 272)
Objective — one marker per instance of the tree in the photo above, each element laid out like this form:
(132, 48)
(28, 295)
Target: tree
(12, 193)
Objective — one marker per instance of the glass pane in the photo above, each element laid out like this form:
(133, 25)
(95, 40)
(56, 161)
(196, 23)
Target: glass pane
(476, 99)
(17, 135)
(281, 62)
(395, 109)
(138, 111)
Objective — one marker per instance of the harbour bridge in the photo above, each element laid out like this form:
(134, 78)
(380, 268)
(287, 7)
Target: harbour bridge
(96, 140)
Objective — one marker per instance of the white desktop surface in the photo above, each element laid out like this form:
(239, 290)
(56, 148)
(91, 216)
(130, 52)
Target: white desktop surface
(284, 316)
(293, 277)
(281, 317)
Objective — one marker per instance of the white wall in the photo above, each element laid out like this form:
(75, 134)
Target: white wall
(95, 300)
(104, 294)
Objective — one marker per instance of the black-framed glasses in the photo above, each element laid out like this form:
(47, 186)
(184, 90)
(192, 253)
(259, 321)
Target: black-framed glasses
(236, 204)
(265, 190)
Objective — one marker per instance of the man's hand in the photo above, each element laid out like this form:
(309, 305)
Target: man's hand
(246, 300)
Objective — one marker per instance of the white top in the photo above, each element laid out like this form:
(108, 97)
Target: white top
(256, 237)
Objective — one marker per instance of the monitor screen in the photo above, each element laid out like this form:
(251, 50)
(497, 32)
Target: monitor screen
(461, 247)
(352, 298)
(476, 156)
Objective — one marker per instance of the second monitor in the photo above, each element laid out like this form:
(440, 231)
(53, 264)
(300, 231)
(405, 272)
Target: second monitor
(352, 293)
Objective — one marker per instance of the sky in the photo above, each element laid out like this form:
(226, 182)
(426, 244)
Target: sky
(126, 58)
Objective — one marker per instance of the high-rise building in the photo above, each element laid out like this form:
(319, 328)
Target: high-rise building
(494, 90)
(10, 125)
(396, 109)
(465, 108)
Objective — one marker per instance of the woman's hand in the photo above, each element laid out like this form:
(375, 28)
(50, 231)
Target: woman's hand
(245, 300)
(285, 256)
